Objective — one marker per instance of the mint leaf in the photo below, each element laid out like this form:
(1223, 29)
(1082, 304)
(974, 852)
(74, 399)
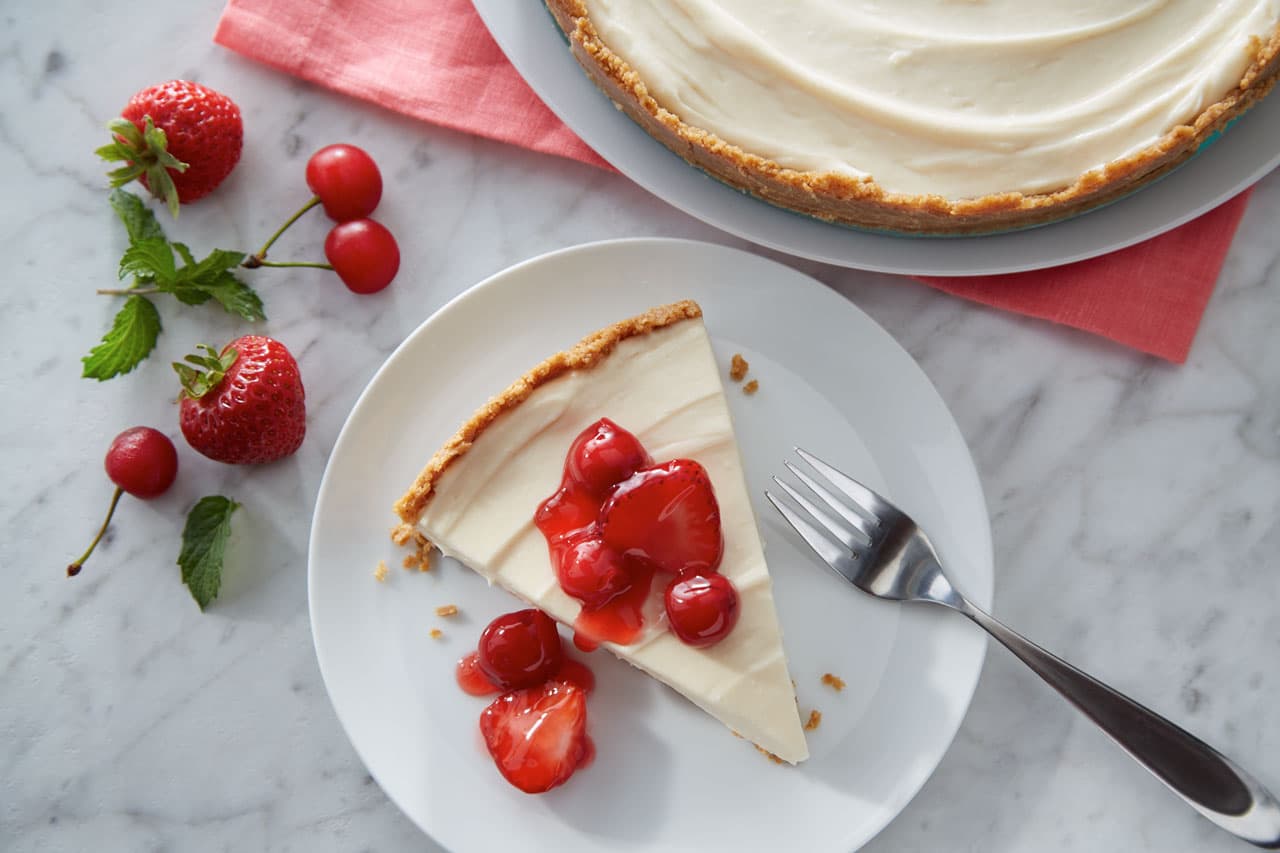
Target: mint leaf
(204, 542)
(188, 259)
(138, 219)
(218, 260)
(210, 278)
(150, 258)
(234, 295)
(131, 338)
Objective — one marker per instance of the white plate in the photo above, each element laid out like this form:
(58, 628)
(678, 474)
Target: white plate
(534, 44)
(666, 777)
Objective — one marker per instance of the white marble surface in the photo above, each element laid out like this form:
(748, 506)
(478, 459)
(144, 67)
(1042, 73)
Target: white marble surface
(1135, 503)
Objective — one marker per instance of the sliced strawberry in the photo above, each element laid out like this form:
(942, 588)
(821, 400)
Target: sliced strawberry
(537, 736)
(667, 514)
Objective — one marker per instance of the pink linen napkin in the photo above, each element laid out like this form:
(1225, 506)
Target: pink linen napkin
(438, 63)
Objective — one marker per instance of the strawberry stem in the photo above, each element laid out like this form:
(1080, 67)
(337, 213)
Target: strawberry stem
(260, 259)
(74, 568)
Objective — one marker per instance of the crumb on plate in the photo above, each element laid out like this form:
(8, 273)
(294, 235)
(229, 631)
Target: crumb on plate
(447, 610)
(815, 719)
(738, 367)
(436, 633)
(380, 571)
(767, 754)
(833, 681)
(406, 535)
(751, 387)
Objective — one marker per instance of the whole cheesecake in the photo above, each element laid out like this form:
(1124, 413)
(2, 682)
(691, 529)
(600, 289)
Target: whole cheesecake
(930, 116)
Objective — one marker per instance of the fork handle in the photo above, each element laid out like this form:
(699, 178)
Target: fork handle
(1208, 781)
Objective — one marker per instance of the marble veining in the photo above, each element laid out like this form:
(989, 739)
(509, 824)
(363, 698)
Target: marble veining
(1136, 505)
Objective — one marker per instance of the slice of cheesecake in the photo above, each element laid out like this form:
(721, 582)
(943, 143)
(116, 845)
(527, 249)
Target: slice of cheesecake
(655, 376)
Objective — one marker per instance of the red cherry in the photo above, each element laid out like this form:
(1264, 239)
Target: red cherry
(603, 455)
(592, 572)
(364, 254)
(520, 649)
(142, 461)
(667, 514)
(346, 180)
(701, 608)
(567, 511)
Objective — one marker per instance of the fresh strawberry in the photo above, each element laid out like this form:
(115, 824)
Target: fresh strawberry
(248, 407)
(667, 514)
(180, 139)
(537, 736)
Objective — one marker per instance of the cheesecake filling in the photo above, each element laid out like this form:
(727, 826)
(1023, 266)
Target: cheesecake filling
(956, 98)
(665, 388)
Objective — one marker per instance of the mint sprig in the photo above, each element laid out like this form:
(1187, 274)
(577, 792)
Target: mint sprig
(204, 543)
(151, 264)
(131, 338)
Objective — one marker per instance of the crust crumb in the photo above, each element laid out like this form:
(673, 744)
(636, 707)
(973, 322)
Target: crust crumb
(769, 755)
(815, 719)
(406, 535)
(751, 387)
(833, 681)
(447, 610)
(380, 571)
(738, 367)
(436, 633)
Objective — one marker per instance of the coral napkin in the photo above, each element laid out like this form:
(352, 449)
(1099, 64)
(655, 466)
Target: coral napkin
(437, 62)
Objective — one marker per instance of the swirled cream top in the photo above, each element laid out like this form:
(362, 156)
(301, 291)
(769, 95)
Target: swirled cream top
(958, 98)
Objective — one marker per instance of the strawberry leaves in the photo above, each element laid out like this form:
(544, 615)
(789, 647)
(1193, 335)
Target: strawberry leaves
(132, 337)
(144, 153)
(150, 261)
(204, 543)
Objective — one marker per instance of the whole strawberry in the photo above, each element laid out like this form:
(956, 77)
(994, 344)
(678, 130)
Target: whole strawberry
(244, 405)
(180, 139)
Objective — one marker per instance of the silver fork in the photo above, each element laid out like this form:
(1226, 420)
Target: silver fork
(878, 548)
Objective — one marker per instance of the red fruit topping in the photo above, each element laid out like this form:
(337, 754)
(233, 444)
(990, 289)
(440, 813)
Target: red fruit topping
(346, 180)
(537, 736)
(592, 572)
(604, 455)
(472, 679)
(520, 649)
(249, 407)
(701, 608)
(578, 674)
(201, 130)
(142, 461)
(566, 512)
(616, 520)
(364, 254)
(668, 515)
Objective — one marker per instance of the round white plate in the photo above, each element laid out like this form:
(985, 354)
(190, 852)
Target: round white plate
(535, 45)
(666, 777)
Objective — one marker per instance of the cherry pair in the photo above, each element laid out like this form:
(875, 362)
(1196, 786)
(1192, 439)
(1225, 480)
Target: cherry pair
(364, 254)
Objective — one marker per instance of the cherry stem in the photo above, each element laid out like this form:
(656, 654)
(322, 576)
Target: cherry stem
(74, 568)
(315, 265)
(126, 291)
(259, 259)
